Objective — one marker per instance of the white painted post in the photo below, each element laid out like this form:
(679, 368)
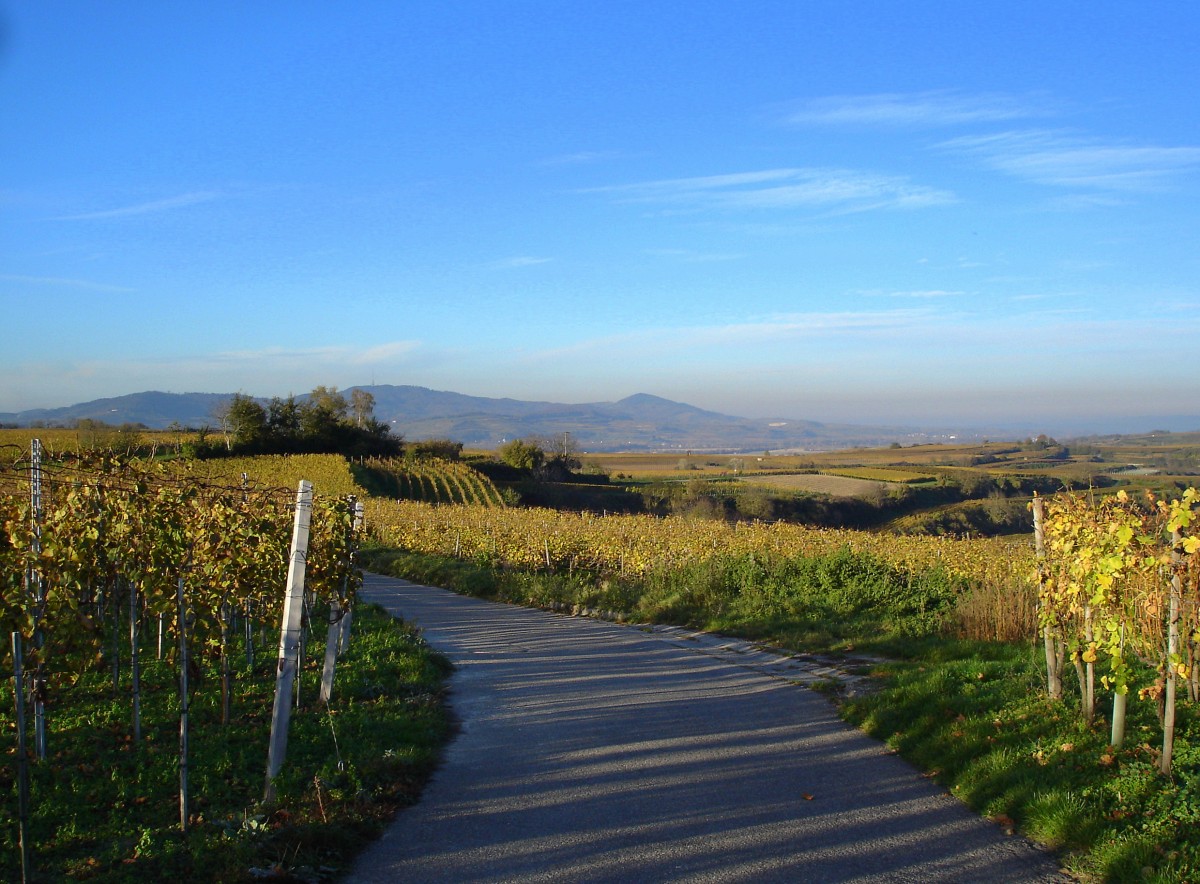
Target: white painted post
(289, 639)
(184, 707)
(37, 585)
(338, 632)
(1168, 751)
(332, 634)
(22, 757)
(348, 611)
(344, 634)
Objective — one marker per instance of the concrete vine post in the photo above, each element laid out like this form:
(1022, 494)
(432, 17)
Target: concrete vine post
(22, 758)
(1172, 652)
(1054, 662)
(37, 588)
(183, 706)
(289, 639)
(1120, 702)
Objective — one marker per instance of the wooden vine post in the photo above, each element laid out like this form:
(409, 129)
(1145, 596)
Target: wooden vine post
(289, 639)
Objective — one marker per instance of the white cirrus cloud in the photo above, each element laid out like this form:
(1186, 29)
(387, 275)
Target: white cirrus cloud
(692, 256)
(521, 261)
(64, 282)
(163, 205)
(581, 158)
(384, 353)
(931, 109)
(923, 294)
(869, 324)
(832, 190)
(1064, 159)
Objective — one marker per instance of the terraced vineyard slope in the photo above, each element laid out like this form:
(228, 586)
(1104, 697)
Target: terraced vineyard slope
(429, 480)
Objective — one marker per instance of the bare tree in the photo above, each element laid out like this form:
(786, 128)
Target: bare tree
(362, 406)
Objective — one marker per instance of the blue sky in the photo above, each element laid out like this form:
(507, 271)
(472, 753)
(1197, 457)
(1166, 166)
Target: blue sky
(918, 213)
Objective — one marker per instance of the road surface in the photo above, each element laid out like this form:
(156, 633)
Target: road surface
(596, 752)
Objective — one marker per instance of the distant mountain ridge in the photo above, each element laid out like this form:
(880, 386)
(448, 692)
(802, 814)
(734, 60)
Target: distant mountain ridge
(641, 422)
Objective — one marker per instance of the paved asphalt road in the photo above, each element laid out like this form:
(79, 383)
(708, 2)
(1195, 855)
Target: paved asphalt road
(593, 752)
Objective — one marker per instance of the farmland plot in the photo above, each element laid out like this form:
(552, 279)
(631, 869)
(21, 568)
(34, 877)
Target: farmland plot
(815, 483)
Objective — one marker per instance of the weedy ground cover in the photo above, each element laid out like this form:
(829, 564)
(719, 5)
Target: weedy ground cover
(973, 714)
(105, 808)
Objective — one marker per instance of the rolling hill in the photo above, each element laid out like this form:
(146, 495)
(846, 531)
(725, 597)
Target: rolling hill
(641, 422)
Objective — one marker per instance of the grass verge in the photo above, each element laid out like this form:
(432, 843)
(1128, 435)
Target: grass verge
(107, 809)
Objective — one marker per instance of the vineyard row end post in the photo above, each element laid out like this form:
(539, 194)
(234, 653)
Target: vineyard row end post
(289, 639)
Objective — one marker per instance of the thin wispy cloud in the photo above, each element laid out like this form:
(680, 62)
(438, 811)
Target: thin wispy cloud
(384, 353)
(333, 354)
(64, 282)
(581, 158)
(917, 294)
(770, 329)
(836, 190)
(1064, 159)
(521, 261)
(163, 205)
(931, 109)
(691, 256)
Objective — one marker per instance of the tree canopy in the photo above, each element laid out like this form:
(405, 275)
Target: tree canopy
(321, 423)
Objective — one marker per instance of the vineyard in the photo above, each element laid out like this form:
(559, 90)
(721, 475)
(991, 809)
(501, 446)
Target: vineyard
(330, 474)
(1112, 598)
(431, 480)
(154, 589)
(145, 578)
(637, 544)
(1119, 586)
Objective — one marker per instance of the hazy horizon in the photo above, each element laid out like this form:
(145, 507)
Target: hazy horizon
(1065, 429)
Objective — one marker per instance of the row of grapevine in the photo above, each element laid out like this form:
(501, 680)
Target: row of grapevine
(438, 481)
(547, 539)
(330, 473)
(125, 565)
(1119, 585)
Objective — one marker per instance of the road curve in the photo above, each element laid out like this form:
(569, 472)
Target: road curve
(594, 752)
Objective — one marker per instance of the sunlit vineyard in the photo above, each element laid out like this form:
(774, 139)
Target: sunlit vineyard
(108, 528)
(329, 473)
(636, 544)
(436, 480)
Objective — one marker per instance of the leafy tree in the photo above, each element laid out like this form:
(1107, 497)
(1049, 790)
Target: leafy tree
(246, 423)
(446, 449)
(319, 424)
(362, 406)
(284, 423)
(522, 454)
(328, 401)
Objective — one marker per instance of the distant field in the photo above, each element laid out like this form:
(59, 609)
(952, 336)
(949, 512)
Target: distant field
(885, 474)
(838, 486)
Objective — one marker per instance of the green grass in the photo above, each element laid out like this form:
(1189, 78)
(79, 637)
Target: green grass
(105, 808)
(987, 729)
(972, 714)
